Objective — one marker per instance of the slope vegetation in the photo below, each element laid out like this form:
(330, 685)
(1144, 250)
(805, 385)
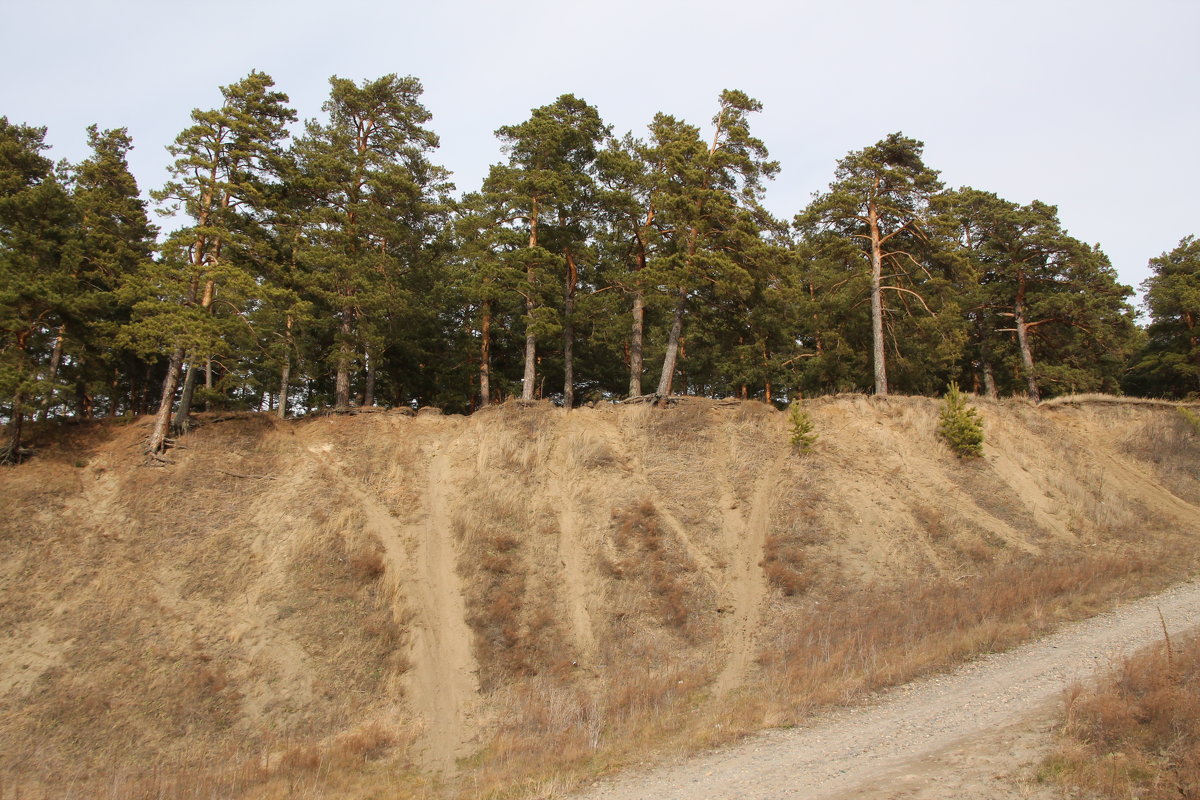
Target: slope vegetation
(504, 604)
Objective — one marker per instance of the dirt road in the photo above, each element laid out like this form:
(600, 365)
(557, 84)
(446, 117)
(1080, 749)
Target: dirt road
(969, 733)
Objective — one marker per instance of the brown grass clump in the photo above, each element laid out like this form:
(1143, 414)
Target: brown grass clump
(554, 731)
(497, 602)
(784, 565)
(646, 554)
(1095, 398)
(1137, 734)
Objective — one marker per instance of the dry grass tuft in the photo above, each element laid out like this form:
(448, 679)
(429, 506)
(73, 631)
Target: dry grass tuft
(496, 606)
(1110, 399)
(1137, 734)
(682, 424)
(647, 554)
(785, 566)
(1170, 442)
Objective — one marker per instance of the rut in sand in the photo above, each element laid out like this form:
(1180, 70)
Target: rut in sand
(745, 535)
(442, 683)
(572, 550)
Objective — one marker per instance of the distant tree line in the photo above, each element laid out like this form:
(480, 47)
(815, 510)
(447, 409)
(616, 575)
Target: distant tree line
(336, 269)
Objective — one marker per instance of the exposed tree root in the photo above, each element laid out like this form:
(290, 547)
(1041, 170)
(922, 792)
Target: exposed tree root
(243, 475)
(14, 455)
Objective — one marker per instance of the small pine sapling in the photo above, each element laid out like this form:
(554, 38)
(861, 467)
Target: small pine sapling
(804, 436)
(960, 425)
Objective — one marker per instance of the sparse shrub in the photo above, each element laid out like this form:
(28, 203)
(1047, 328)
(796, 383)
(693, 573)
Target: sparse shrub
(960, 425)
(803, 435)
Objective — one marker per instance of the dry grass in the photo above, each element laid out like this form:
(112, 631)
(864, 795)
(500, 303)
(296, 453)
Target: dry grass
(832, 649)
(1170, 442)
(557, 730)
(1136, 734)
(785, 566)
(1110, 399)
(173, 601)
(278, 769)
(647, 555)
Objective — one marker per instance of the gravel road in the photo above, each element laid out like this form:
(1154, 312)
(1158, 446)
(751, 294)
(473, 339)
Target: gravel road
(984, 720)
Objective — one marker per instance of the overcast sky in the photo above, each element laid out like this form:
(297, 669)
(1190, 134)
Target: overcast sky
(1092, 106)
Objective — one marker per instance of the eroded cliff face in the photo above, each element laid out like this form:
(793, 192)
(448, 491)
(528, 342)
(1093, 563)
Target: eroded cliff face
(404, 600)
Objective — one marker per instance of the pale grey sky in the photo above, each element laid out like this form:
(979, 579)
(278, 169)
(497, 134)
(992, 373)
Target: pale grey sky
(1091, 106)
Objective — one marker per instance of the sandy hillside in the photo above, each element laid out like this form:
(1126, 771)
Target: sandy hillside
(453, 604)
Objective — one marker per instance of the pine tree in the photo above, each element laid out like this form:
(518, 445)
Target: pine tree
(1048, 307)
(547, 189)
(630, 239)
(960, 424)
(38, 259)
(706, 200)
(375, 208)
(1169, 364)
(880, 199)
(224, 164)
(116, 242)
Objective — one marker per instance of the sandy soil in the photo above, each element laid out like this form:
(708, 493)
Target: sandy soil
(976, 732)
(238, 602)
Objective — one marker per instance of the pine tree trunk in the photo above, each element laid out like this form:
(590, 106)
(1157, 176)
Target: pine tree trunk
(668, 371)
(285, 375)
(345, 355)
(530, 376)
(638, 329)
(208, 382)
(189, 388)
(881, 384)
(162, 420)
(180, 423)
(989, 381)
(485, 357)
(636, 335)
(569, 333)
(55, 363)
(1023, 342)
(145, 394)
(285, 372)
(85, 404)
(369, 389)
(11, 452)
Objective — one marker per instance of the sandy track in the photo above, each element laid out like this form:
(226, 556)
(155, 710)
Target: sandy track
(909, 741)
(442, 684)
(745, 537)
(577, 585)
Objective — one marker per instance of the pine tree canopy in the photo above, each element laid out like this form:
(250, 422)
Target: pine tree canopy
(330, 265)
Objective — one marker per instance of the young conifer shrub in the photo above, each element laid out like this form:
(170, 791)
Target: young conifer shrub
(804, 435)
(960, 425)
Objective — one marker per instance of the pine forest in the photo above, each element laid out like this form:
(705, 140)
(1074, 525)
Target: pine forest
(332, 264)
